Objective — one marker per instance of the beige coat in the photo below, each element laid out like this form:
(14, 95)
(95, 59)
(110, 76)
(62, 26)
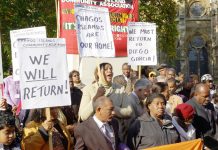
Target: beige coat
(115, 92)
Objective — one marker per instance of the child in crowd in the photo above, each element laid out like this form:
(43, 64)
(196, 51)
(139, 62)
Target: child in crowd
(7, 131)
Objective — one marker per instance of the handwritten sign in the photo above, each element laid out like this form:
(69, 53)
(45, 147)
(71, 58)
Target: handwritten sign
(121, 12)
(43, 73)
(94, 33)
(37, 32)
(141, 43)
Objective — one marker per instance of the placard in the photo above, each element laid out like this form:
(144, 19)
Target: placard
(94, 33)
(43, 73)
(141, 43)
(36, 32)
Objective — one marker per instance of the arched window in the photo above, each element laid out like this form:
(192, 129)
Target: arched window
(197, 9)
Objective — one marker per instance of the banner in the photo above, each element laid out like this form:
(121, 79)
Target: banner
(36, 32)
(189, 145)
(43, 73)
(94, 31)
(141, 43)
(120, 12)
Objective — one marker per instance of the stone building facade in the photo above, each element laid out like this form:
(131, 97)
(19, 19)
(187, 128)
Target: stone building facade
(197, 47)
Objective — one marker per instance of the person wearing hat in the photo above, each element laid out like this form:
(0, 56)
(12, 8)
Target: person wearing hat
(208, 79)
(184, 114)
(162, 69)
(152, 76)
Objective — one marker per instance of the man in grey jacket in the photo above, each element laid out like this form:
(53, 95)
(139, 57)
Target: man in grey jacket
(138, 96)
(136, 101)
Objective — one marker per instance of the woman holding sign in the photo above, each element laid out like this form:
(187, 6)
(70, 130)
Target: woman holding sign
(104, 86)
(35, 135)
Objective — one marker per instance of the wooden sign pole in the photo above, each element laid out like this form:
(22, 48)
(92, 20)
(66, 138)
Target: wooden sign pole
(140, 71)
(48, 116)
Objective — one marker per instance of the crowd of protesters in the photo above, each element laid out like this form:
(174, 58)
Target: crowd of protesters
(115, 113)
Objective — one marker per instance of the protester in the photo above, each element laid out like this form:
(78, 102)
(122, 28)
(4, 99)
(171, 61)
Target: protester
(99, 132)
(71, 112)
(75, 76)
(161, 88)
(138, 96)
(162, 69)
(181, 79)
(36, 132)
(11, 89)
(104, 87)
(154, 128)
(171, 73)
(193, 81)
(125, 79)
(184, 114)
(145, 71)
(174, 99)
(203, 121)
(215, 103)
(152, 77)
(137, 101)
(7, 131)
(12, 95)
(208, 79)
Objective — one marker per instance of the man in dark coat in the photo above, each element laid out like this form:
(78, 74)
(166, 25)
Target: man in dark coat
(203, 121)
(99, 132)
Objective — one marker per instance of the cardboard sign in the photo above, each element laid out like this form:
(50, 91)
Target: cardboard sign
(94, 31)
(37, 32)
(141, 43)
(43, 73)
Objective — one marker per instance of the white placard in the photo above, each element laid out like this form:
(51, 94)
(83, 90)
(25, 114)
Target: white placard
(94, 33)
(43, 73)
(141, 43)
(36, 32)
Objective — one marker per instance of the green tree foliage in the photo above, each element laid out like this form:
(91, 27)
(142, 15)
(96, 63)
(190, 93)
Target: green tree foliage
(18, 14)
(163, 13)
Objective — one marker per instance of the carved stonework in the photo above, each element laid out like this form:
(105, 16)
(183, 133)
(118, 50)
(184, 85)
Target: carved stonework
(198, 31)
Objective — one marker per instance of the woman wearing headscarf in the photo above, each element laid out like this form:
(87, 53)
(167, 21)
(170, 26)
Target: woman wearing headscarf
(103, 86)
(153, 128)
